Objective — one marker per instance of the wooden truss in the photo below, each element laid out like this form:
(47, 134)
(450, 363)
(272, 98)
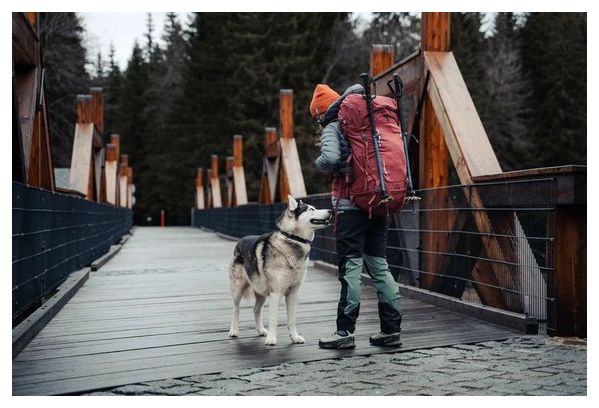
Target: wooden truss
(281, 170)
(32, 155)
(451, 129)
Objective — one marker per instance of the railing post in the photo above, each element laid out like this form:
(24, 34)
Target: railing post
(215, 183)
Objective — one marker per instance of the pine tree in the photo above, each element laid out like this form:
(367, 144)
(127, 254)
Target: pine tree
(507, 111)
(470, 49)
(132, 105)
(113, 88)
(63, 55)
(554, 57)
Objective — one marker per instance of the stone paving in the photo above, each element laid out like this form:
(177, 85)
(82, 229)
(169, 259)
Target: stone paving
(525, 365)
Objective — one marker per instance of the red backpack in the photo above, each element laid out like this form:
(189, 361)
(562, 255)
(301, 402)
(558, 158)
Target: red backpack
(364, 187)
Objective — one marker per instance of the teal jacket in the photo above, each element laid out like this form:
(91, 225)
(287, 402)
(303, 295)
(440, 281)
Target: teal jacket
(333, 143)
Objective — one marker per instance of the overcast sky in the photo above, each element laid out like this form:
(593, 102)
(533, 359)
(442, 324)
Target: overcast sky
(122, 29)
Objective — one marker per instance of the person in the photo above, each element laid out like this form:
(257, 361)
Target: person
(361, 240)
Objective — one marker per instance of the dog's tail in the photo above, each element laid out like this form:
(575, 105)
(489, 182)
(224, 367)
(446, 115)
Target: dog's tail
(237, 278)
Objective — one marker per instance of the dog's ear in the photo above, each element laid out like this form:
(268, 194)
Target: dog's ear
(292, 204)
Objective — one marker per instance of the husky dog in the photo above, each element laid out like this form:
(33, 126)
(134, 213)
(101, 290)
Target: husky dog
(273, 265)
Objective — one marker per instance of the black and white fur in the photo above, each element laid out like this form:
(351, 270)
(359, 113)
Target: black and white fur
(273, 266)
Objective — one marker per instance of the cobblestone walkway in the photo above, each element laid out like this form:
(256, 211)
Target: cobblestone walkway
(526, 365)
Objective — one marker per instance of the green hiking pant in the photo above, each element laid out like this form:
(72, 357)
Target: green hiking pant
(360, 241)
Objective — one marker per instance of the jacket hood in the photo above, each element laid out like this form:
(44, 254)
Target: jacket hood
(333, 110)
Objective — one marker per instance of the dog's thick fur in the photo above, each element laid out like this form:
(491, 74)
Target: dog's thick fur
(273, 265)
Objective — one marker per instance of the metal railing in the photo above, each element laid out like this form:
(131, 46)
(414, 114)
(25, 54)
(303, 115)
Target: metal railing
(53, 235)
(488, 243)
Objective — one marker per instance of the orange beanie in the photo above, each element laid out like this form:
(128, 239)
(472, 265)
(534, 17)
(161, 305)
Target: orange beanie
(322, 98)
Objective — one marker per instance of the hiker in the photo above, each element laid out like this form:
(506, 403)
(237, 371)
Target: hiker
(361, 237)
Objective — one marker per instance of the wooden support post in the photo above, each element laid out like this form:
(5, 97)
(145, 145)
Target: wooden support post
(99, 161)
(382, 57)
(436, 31)
(571, 270)
(240, 191)
(208, 185)
(123, 184)
(291, 179)
(82, 166)
(270, 166)
(434, 159)
(229, 196)
(84, 109)
(215, 183)
(129, 187)
(32, 153)
(199, 183)
(110, 173)
(97, 108)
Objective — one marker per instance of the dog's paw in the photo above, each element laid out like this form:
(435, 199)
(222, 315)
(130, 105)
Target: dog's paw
(262, 332)
(297, 339)
(233, 333)
(271, 340)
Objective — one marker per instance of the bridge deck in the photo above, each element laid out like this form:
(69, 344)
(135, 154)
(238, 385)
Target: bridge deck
(161, 308)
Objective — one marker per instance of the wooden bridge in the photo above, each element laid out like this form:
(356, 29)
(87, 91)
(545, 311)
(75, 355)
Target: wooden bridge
(497, 254)
(161, 309)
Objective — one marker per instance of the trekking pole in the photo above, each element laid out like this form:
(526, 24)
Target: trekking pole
(375, 137)
(398, 92)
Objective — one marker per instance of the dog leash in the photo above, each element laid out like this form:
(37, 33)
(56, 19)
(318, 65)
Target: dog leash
(295, 237)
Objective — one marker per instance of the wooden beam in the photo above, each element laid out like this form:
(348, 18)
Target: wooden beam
(467, 140)
(209, 188)
(111, 173)
(41, 170)
(27, 84)
(272, 149)
(470, 151)
(291, 179)
(570, 280)
(97, 108)
(25, 44)
(286, 113)
(115, 139)
(129, 187)
(123, 182)
(82, 167)
(215, 183)
(436, 31)
(382, 57)
(84, 109)
(270, 166)
(433, 163)
(99, 159)
(240, 189)
(199, 185)
(229, 196)
(238, 150)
